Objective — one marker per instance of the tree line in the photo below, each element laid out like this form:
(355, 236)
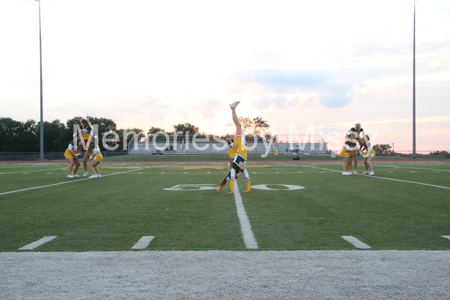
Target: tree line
(18, 136)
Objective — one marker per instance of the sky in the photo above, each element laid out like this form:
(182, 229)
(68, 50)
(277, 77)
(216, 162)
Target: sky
(143, 63)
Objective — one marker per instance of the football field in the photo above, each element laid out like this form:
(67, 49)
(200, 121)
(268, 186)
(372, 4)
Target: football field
(160, 230)
(292, 206)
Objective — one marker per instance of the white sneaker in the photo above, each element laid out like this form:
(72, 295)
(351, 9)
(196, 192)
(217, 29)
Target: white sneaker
(85, 174)
(365, 173)
(99, 175)
(354, 172)
(93, 176)
(371, 173)
(69, 176)
(346, 173)
(74, 175)
(234, 104)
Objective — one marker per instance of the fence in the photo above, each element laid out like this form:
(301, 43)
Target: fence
(208, 145)
(430, 154)
(33, 156)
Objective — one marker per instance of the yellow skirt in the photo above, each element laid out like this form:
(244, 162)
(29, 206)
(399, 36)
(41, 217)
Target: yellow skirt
(231, 153)
(372, 154)
(345, 153)
(70, 154)
(98, 157)
(239, 146)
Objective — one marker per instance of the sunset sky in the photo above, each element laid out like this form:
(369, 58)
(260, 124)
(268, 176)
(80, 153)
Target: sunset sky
(155, 63)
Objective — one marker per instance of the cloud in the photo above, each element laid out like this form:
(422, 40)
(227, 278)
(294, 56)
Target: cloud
(333, 92)
(264, 102)
(208, 108)
(335, 100)
(310, 103)
(285, 81)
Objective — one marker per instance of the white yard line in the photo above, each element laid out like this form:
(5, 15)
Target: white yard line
(38, 243)
(13, 166)
(246, 228)
(64, 182)
(28, 171)
(446, 237)
(415, 168)
(393, 179)
(143, 242)
(355, 242)
(414, 182)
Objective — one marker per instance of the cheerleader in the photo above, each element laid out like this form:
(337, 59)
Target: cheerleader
(368, 154)
(88, 131)
(240, 158)
(348, 150)
(96, 158)
(71, 154)
(359, 134)
(231, 153)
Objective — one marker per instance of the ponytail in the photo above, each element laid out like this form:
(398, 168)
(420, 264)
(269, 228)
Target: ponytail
(223, 183)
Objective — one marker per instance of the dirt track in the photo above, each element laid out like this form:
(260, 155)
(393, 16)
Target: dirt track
(226, 275)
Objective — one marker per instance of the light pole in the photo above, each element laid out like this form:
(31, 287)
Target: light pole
(393, 148)
(414, 83)
(41, 127)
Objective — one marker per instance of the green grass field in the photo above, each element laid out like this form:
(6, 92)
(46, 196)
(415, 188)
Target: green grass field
(131, 201)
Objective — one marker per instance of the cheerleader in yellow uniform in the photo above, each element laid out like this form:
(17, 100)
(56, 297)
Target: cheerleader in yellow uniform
(231, 152)
(358, 132)
(368, 154)
(240, 158)
(96, 157)
(71, 154)
(88, 132)
(348, 150)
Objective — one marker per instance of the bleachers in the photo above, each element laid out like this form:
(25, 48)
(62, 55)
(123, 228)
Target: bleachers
(308, 148)
(202, 148)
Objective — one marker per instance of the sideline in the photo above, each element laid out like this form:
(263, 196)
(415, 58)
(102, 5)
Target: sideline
(386, 178)
(64, 182)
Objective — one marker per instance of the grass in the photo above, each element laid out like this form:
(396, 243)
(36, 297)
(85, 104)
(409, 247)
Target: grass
(113, 212)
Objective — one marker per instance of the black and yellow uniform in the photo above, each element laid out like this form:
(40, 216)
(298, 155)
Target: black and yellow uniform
(240, 145)
(349, 148)
(95, 153)
(231, 152)
(72, 150)
(370, 152)
(240, 161)
(356, 132)
(86, 131)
